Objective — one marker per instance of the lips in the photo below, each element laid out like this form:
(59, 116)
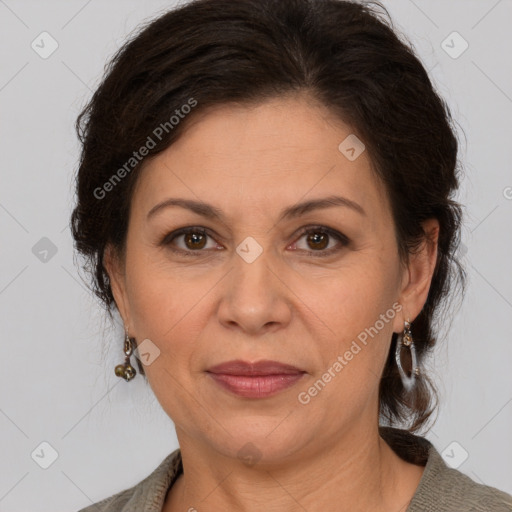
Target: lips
(255, 380)
(260, 368)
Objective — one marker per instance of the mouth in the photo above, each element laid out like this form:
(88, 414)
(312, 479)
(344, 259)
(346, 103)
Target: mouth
(261, 379)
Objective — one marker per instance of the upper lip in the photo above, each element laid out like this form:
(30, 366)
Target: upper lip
(266, 367)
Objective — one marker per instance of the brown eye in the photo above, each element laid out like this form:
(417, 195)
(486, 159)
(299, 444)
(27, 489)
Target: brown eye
(195, 240)
(189, 241)
(318, 240)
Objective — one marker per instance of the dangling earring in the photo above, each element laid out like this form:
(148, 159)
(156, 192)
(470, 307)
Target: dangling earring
(126, 370)
(406, 340)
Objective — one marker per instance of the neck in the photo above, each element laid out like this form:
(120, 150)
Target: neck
(357, 472)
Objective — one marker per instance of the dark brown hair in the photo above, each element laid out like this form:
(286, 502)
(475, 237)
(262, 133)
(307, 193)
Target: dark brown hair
(345, 55)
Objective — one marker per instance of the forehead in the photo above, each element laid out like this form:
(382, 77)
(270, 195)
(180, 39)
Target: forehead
(262, 156)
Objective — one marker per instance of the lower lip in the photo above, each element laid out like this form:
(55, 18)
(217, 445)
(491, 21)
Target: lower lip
(260, 386)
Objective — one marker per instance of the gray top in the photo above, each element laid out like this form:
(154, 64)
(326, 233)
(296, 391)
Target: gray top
(441, 488)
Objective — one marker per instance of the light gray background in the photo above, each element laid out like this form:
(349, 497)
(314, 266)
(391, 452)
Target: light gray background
(56, 384)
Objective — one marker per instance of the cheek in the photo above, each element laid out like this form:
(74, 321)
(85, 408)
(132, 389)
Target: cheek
(352, 298)
(168, 307)
(164, 311)
(157, 295)
(154, 300)
(358, 305)
(151, 302)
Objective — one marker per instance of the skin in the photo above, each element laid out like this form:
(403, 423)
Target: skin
(289, 305)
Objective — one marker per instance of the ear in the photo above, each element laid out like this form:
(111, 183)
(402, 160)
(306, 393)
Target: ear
(116, 274)
(418, 275)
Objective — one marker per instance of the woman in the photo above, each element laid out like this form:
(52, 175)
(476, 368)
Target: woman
(265, 194)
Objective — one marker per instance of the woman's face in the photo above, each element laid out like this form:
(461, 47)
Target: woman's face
(248, 284)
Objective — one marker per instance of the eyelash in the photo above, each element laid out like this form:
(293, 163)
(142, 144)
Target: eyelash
(344, 241)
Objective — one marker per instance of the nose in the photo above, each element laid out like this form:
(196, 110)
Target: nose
(255, 299)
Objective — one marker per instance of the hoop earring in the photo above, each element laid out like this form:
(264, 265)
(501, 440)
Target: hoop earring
(126, 370)
(405, 339)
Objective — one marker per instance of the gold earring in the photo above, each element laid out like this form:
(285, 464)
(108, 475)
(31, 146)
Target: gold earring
(126, 370)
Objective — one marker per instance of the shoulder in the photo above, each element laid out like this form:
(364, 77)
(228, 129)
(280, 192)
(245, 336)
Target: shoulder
(148, 495)
(448, 489)
(443, 488)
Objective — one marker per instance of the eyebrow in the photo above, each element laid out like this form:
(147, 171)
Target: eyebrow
(212, 212)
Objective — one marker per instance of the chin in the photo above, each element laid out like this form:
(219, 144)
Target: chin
(260, 440)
